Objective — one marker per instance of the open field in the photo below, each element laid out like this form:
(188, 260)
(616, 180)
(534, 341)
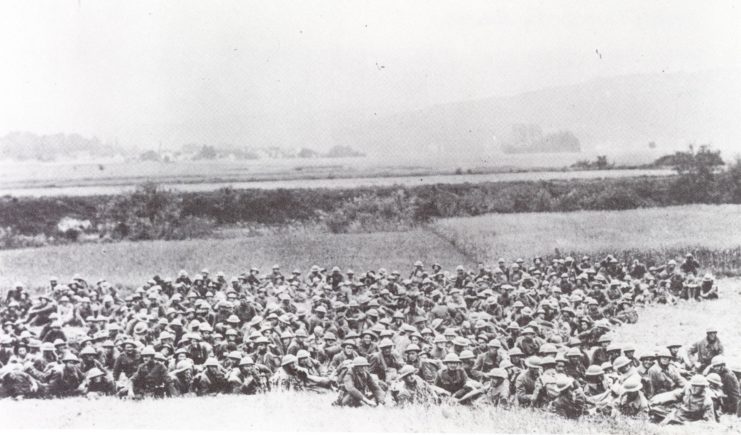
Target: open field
(712, 230)
(288, 412)
(331, 177)
(685, 322)
(129, 263)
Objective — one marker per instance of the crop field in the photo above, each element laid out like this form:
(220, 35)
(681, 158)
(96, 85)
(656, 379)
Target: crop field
(711, 231)
(42, 179)
(303, 412)
(130, 263)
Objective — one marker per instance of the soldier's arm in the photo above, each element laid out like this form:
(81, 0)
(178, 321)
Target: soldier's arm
(520, 390)
(350, 388)
(376, 390)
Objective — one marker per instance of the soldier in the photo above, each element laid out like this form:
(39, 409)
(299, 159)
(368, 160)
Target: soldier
(730, 385)
(706, 349)
(288, 376)
(631, 402)
(570, 402)
(212, 380)
(491, 359)
(663, 377)
(16, 383)
(496, 391)
(359, 386)
(411, 389)
(150, 378)
(385, 359)
(696, 403)
(526, 381)
(249, 378)
(67, 379)
(453, 377)
(127, 362)
(98, 384)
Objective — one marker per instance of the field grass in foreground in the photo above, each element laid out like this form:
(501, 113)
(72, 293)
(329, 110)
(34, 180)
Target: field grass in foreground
(131, 263)
(290, 412)
(668, 231)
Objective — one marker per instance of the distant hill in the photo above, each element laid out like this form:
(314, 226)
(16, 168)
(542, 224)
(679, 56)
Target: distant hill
(621, 113)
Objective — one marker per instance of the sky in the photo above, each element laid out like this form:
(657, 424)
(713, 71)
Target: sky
(270, 72)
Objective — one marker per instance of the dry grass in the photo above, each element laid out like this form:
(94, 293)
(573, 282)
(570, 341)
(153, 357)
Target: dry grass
(670, 229)
(131, 263)
(290, 412)
(686, 323)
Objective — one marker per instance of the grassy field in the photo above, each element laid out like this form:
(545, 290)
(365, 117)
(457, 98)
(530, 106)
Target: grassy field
(289, 413)
(685, 322)
(709, 231)
(131, 263)
(712, 230)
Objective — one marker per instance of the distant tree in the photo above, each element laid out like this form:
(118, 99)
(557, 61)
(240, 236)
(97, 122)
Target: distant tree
(306, 153)
(207, 152)
(343, 151)
(149, 156)
(697, 174)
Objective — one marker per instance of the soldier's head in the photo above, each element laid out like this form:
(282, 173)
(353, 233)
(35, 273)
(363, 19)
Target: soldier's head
(647, 360)
(367, 337)
(718, 364)
(348, 346)
(664, 357)
(246, 365)
(712, 334)
(467, 358)
(452, 361)
(533, 365)
(698, 383)
(360, 365)
(411, 353)
(674, 349)
(22, 349)
(302, 358)
(212, 366)
(148, 355)
(386, 345)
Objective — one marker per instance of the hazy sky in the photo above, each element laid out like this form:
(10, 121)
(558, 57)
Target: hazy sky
(222, 71)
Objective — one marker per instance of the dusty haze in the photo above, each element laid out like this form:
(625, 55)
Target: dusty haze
(323, 73)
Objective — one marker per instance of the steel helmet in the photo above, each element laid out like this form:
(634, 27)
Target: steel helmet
(497, 372)
(406, 371)
(360, 361)
(467, 354)
(699, 381)
(385, 343)
(631, 384)
(620, 362)
(714, 379)
(594, 370)
(451, 358)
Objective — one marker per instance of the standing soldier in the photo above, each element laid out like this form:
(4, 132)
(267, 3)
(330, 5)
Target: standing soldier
(706, 349)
